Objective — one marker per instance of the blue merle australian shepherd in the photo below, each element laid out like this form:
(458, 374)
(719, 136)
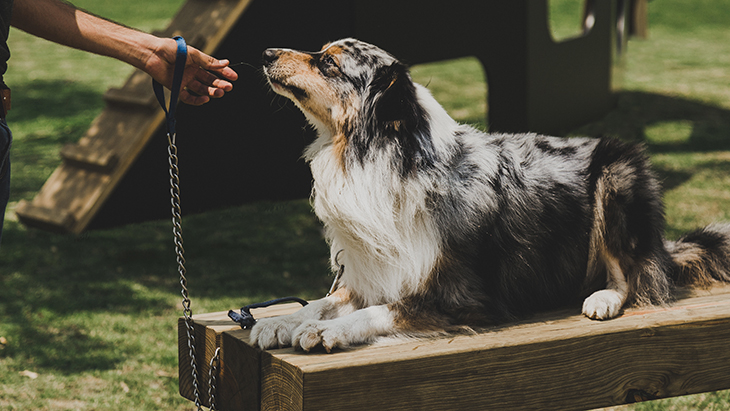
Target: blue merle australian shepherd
(446, 228)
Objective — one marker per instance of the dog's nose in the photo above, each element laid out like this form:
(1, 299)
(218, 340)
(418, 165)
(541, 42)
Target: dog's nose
(270, 55)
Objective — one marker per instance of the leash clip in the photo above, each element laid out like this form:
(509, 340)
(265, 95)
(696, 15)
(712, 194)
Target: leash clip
(246, 319)
(340, 271)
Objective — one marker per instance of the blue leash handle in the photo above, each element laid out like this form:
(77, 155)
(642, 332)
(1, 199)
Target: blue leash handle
(180, 61)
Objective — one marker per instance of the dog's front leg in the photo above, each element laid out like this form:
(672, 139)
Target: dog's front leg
(277, 332)
(359, 327)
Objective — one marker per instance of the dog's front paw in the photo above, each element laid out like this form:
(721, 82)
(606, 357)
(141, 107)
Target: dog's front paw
(603, 305)
(273, 332)
(313, 333)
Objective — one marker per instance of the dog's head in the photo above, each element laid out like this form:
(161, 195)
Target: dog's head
(349, 85)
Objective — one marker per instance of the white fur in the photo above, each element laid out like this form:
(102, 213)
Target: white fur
(360, 326)
(390, 241)
(606, 304)
(277, 332)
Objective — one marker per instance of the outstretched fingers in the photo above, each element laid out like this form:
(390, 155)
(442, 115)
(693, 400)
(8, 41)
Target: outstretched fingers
(207, 77)
(213, 70)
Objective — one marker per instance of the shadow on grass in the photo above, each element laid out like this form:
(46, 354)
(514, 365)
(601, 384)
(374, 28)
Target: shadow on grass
(637, 112)
(53, 99)
(666, 125)
(58, 292)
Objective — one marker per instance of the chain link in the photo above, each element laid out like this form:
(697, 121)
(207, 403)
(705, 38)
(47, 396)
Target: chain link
(212, 378)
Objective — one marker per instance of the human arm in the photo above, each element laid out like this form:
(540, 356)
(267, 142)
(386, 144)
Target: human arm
(63, 23)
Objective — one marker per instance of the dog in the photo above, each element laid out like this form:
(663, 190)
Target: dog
(445, 228)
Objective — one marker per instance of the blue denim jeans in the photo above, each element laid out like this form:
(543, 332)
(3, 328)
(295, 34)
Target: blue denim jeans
(6, 140)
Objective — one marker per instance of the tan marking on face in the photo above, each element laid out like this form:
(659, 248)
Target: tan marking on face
(334, 51)
(293, 69)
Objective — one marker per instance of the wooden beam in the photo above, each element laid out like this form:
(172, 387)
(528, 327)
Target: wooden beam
(555, 361)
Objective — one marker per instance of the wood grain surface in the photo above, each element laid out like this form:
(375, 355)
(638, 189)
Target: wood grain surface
(555, 361)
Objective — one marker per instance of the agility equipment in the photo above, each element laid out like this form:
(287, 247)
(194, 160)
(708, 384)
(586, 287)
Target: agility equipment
(113, 174)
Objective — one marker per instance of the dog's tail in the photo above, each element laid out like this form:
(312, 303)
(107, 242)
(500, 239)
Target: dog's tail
(702, 257)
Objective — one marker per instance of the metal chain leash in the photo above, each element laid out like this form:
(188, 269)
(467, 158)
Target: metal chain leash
(187, 311)
(180, 257)
(180, 62)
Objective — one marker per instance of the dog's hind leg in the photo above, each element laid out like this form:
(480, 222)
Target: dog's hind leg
(615, 175)
(627, 253)
(607, 303)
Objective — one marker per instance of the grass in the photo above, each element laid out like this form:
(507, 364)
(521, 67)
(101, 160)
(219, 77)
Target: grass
(88, 322)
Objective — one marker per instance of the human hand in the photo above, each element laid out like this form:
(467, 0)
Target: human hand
(199, 83)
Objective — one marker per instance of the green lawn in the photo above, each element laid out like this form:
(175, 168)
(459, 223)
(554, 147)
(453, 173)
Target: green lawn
(89, 322)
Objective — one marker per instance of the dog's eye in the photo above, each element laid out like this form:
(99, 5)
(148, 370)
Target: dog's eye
(328, 64)
(328, 60)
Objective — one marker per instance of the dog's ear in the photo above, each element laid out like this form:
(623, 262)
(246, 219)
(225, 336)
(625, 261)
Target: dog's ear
(396, 114)
(395, 96)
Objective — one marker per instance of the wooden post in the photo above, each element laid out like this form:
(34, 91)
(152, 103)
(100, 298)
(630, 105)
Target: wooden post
(555, 361)
(639, 19)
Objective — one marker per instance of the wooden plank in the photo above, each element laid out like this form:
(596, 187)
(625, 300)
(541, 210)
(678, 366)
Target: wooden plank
(126, 98)
(82, 156)
(212, 21)
(555, 361)
(45, 218)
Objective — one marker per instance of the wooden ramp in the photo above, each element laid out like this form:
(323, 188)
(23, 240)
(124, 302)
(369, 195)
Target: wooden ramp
(92, 168)
(247, 146)
(557, 361)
